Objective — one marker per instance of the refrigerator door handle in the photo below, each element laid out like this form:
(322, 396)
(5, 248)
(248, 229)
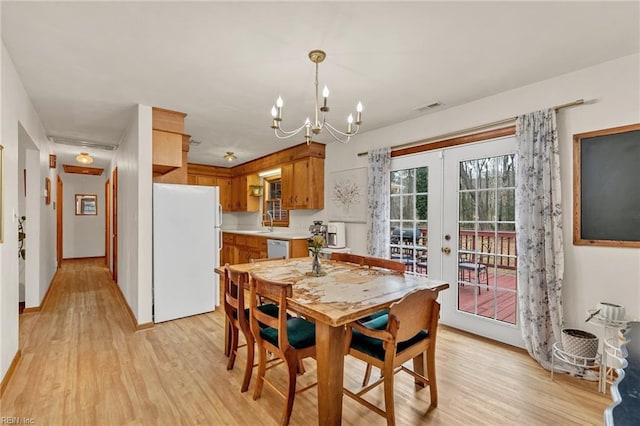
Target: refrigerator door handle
(219, 224)
(219, 239)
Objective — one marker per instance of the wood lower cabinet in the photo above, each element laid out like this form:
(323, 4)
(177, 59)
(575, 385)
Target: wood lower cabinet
(303, 184)
(240, 248)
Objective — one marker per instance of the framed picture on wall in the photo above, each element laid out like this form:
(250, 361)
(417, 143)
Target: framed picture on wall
(348, 195)
(86, 204)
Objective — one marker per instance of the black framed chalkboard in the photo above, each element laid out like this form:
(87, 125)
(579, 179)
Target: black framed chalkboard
(606, 187)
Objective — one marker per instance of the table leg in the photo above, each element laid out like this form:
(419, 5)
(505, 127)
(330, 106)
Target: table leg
(330, 359)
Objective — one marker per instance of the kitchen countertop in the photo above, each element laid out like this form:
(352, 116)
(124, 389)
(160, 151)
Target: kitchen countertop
(275, 234)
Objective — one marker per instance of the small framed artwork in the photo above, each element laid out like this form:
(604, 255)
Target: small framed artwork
(52, 161)
(86, 204)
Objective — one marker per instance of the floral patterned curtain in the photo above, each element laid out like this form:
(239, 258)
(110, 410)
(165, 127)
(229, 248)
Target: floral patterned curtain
(378, 193)
(539, 233)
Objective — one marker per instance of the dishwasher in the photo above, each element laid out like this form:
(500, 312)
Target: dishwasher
(277, 249)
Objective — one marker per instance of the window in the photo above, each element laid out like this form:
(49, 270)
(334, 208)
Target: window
(273, 202)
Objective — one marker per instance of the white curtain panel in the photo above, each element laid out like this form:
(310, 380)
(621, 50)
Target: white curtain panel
(378, 193)
(539, 233)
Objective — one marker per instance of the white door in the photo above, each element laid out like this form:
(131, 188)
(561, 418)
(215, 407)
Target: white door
(468, 234)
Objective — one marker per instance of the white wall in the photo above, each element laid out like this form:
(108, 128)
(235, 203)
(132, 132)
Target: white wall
(134, 209)
(16, 110)
(82, 236)
(612, 89)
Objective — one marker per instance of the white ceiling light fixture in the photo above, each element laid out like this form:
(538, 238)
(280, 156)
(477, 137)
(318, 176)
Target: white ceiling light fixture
(84, 158)
(229, 156)
(316, 127)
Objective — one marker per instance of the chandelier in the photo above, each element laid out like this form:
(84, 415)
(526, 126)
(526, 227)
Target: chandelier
(319, 124)
(84, 158)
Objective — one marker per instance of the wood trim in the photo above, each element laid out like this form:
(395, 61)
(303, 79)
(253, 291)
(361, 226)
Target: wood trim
(460, 140)
(83, 258)
(577, 188)
(12, 368)
(45, 299)
(132, 317)
(82, 170)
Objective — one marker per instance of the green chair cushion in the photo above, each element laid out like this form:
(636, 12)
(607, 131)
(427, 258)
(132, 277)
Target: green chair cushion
(376, 315)
(301, 332)
(373, 347)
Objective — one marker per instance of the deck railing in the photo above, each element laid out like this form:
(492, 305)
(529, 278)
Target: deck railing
(486, 247)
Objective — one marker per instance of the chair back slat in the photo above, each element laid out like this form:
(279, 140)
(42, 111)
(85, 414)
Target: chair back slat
(414, 312)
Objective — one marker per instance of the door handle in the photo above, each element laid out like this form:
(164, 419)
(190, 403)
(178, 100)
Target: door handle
(446, 250)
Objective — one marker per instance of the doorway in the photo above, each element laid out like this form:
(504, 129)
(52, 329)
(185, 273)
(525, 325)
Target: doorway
(453, 218)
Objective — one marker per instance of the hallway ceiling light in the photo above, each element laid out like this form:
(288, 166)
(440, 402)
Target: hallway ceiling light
(316, 127)
(230, 156)
(84, 158)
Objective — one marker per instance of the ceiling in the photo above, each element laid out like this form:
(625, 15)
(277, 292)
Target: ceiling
(85, 65)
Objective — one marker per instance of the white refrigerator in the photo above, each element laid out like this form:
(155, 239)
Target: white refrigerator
(187, 238)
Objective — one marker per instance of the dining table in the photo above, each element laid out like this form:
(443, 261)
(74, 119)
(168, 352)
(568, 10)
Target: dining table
(345, 292)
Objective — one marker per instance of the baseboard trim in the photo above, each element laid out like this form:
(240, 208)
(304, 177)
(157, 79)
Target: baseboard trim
(10, 371)
(132, 317)
(83, 258)
(33, 309)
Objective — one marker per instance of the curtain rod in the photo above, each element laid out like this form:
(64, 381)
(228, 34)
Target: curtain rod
(472, 129)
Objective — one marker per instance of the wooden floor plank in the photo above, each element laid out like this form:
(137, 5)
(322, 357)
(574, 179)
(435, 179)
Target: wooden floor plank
(82, 364)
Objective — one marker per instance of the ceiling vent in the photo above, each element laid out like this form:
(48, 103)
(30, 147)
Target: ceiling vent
(84, 143)
(194, 142)
(428, 107)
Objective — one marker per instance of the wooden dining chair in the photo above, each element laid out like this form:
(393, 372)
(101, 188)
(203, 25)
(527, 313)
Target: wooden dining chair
(289, 339)
(379, 262)
(409, 333)
(348, 257)
(237, 318)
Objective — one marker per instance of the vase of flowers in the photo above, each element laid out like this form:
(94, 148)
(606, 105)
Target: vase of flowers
(315, 245)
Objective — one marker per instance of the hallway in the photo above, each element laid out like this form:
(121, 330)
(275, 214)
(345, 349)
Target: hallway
(82, 364)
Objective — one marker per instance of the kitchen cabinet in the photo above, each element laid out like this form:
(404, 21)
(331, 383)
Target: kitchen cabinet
(303, 184)
(241, 198)
(241, 248)
(224, 183)
(166, 152)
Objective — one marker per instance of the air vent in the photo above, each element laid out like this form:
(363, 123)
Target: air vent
(428, 107)
(84, 143)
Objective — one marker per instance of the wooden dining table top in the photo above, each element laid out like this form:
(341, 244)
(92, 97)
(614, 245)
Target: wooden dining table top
(347, 292)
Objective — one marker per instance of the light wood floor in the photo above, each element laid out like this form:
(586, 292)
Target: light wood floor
(83, 365)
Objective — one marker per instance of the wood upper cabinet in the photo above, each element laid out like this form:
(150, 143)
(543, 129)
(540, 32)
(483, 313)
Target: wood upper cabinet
(225, 193)
(241, 198)
(303, 184)
(167, 151)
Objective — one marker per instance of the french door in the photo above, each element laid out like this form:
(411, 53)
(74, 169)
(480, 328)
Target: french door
(453, 218)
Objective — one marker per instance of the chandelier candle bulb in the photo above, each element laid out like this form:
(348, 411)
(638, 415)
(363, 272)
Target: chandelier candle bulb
(359, 113)
(350, 121)
(325, 95)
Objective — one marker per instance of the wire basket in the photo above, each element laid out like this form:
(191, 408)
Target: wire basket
(579, 343)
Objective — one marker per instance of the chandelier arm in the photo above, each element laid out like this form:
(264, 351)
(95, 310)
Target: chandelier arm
(287, 134)
(331, 129)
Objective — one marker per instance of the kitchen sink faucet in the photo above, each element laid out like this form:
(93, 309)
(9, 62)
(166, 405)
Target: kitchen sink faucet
(270, 217)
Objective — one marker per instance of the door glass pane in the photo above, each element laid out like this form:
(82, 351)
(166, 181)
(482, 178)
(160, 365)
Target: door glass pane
(409, 212)
(486, 238)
